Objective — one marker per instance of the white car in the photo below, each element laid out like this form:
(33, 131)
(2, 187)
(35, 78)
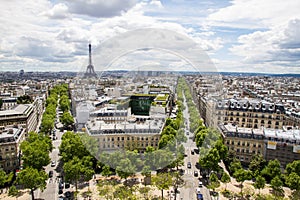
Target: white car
(200, 184)
(53, 163)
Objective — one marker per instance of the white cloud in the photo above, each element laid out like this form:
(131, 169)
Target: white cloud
(59, 11)
(100, 8)
(280, 45)
(255, 13)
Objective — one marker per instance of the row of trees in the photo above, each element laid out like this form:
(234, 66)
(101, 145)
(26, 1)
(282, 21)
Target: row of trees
(64, 104)
(194, 116)
(78, 164)
(35, 156)
(263, 172)
(57, 92)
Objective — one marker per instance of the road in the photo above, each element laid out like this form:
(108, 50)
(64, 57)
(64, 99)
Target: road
(188, 191)
(51, 191)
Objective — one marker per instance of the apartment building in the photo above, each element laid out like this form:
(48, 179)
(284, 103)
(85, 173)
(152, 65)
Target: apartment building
(136, 133)
(27, 115)
(282, 144)
(246, 142)
(250, 113)
(10, 140)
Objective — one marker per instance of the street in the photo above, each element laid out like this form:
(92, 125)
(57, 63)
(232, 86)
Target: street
(188, 191)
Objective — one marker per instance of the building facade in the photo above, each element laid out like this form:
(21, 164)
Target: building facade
(10, 140)
(281, 144)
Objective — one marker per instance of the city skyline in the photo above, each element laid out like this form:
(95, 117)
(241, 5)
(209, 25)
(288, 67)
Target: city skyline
(238, 36)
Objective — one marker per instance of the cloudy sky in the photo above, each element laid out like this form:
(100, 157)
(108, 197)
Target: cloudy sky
(237, 35)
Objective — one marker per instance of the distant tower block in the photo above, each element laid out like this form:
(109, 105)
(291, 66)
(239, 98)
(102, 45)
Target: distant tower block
(90, 72)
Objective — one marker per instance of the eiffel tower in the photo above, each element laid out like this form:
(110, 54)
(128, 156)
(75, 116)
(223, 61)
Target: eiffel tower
(90, 72)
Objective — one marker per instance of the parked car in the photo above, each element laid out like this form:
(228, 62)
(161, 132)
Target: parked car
(60, 191)
(50, 174)
(60, 185)
(67, 185)
(200, 184)
(196, 173)
(68, 194)
(189, 165)
(53, 163)
(199, 197)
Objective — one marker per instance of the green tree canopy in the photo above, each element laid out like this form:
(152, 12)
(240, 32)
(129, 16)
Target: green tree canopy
(271, 170)
(276, 185)
(32, 179)
(35, 151)
(76, 170)
(225, 179)
(162, 181)
(71, 145)
(67, 119)
(3, 177)
(293, 167)
(241, 175)
(259, 183)
(257, 164)
(293, 181)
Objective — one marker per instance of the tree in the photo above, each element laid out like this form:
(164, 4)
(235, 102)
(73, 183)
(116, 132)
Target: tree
(13, 191)
(213, 181)
(293, 181)
(234, 166)
(211, 160)
(3, 177)
(271, 170)
(25, 99)
(146, 172)
(225, 179)
(177, 181)
(162, 181)
(276, 185)
(75, 171)
(259, 183)
(257, 164)
(241, 175)
(293, 167)
(105, 189)
(32, 179)
(123, 192)
(106, 170)
(67, 119)
(71, 145)
(125, 168)
(35, 151)
(145, 192)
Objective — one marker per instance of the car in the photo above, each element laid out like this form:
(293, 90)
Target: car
(53, 163)
(199, 197)
(189, 165)
(61, 198)
(196, 173)
(198, 191)
(60, 191)
(60, 185)
(50, 174)
(67, 185)
(68, 194)
(200, 184)
(192, 152)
